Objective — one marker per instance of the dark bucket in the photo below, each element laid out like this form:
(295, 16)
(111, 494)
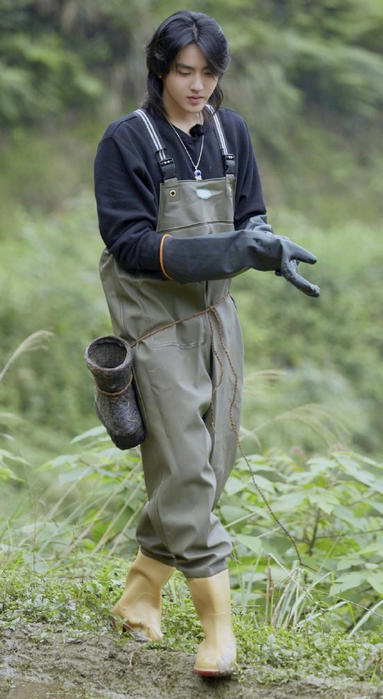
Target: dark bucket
(110, 361)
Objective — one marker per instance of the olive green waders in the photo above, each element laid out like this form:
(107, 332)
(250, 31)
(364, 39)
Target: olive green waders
(184, 380)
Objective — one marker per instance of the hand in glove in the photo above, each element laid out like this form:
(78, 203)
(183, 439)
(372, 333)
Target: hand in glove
(224, 255)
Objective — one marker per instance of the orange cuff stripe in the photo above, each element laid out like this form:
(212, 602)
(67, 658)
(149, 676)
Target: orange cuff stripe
(167, 235)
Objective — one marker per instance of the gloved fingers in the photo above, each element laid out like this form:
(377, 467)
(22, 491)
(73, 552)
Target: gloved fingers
(278, 272)
(296, 252)
(289, 271)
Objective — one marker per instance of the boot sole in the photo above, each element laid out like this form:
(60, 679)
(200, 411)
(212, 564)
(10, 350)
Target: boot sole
(214, 673)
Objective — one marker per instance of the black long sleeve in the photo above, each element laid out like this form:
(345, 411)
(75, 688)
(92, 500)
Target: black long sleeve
(127, 182)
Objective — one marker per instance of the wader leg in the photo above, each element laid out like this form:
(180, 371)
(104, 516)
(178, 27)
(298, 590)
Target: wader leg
(218, 421)
(186, 463)
(180, 481)
(151, 544)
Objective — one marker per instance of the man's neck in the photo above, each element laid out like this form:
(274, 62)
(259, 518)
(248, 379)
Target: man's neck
(185, 122)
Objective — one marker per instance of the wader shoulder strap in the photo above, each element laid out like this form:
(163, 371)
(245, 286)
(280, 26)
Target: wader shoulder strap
(167, 166)
(228, 158)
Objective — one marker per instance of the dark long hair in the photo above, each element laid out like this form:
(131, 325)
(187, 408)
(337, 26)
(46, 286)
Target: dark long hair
(179, 30)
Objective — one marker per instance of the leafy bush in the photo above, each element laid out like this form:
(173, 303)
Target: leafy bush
(330, 508)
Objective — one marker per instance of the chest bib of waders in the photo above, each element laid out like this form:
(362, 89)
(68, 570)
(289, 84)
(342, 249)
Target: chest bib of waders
(184, 381)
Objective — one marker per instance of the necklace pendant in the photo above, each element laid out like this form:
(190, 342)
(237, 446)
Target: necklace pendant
(198, 175)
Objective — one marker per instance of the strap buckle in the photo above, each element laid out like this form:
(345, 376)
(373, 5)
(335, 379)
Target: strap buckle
(229, 163)
(168, 168)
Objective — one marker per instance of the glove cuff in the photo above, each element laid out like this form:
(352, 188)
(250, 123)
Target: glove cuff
(163, 270)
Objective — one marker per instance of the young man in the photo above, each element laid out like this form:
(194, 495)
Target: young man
(181, 211)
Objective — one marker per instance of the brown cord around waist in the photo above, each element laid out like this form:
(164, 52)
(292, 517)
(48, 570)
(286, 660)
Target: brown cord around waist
(181, 320)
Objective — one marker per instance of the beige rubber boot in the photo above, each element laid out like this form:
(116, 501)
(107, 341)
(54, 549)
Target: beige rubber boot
(140, 605)
(216, 655)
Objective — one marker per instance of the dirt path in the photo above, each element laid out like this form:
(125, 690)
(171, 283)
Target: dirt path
(93, 666)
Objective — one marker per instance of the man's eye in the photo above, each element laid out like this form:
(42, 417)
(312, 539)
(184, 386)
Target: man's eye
(184, 74)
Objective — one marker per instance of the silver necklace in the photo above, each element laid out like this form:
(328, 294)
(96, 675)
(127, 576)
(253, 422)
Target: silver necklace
(197, 172)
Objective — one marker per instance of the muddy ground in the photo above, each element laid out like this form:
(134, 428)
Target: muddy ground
(37, 664)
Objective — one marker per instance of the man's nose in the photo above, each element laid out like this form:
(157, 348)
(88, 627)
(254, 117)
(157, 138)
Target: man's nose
(197, 83)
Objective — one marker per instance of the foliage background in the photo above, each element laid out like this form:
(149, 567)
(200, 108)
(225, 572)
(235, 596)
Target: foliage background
(308, 78)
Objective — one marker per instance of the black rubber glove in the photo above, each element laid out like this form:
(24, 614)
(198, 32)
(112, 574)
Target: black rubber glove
(225, 255)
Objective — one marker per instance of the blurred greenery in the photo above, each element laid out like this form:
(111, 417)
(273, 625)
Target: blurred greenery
(307, 77)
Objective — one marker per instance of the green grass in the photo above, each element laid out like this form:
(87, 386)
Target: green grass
(323, 565)
(79, 597)
(64, 555)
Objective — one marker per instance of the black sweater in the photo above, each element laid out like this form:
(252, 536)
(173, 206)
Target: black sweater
(127, 182)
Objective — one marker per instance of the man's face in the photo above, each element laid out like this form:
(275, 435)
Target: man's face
(189, 85)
